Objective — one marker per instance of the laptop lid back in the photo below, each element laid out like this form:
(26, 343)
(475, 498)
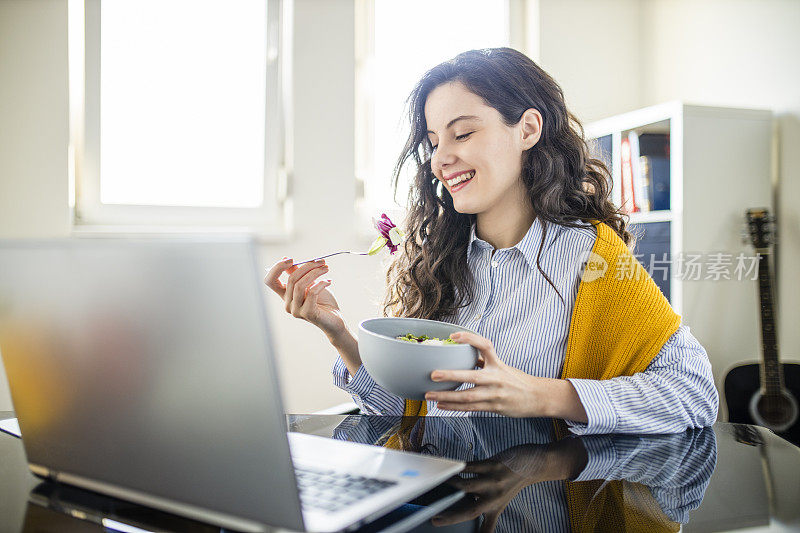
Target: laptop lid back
(148, 366)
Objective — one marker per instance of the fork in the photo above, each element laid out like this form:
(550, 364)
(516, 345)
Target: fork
(329, 255)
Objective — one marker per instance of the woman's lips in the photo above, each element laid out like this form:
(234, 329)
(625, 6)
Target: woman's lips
(461, 185)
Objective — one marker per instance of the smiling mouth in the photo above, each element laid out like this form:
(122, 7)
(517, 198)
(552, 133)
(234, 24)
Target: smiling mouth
(466, 176)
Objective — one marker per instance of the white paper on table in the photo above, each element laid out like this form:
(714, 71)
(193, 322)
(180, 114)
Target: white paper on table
(11, 426)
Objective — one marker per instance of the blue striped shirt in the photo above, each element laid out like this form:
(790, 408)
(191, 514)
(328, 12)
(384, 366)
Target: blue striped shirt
(676, 468)
(528, 324)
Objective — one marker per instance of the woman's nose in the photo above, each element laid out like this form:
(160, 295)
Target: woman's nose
(442, 157)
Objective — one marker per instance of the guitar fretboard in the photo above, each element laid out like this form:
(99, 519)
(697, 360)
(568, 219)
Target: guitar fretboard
(772, 372)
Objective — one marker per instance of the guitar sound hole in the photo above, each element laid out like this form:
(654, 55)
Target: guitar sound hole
(775, 410)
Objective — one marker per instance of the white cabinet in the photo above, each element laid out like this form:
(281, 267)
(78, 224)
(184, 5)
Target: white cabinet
(720, 164)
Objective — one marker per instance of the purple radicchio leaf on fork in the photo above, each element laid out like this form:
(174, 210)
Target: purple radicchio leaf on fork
(390, 235)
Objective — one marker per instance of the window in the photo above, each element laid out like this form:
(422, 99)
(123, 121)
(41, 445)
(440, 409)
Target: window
(400, 41)
(183, 121)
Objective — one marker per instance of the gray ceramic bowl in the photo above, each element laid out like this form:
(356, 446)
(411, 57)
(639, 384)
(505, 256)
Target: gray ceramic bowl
(404, 368)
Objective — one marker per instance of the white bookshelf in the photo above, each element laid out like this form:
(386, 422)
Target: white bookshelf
(720, 165)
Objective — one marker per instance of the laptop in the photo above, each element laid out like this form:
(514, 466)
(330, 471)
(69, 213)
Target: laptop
(145, 370)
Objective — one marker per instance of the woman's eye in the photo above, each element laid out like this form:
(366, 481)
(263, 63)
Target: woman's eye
(458, 138)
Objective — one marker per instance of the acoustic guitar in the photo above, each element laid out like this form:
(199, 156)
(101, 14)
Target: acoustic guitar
(765, 393)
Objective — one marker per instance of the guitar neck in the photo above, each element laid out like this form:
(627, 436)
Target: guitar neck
(772, 374)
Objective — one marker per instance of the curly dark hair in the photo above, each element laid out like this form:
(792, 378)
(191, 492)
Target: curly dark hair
(430, 278)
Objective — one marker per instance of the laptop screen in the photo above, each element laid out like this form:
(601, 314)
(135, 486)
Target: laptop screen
(147, 365)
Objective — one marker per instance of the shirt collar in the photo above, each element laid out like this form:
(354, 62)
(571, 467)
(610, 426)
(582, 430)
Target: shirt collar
(528, 246)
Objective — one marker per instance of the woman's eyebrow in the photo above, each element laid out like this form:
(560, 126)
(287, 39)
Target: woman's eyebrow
(462, 117)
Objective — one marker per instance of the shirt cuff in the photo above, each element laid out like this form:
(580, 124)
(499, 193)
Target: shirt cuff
(597, 404)
(361, 384)
(341, 376)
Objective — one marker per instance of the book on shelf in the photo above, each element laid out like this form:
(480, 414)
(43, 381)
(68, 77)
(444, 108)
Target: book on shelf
(657, 173)
(627, 193)
(640, 193)
(645, 172)
(654, 144)
(654, 149)
(645, 181)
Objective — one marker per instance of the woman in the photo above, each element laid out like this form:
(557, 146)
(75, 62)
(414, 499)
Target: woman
(508, 221)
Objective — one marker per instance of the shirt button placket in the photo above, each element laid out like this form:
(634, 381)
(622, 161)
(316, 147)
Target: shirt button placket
(494, 263)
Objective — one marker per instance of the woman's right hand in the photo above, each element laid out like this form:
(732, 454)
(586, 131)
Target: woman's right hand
(306, 298)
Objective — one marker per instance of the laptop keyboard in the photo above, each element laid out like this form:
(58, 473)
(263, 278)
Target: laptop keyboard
(330, 490)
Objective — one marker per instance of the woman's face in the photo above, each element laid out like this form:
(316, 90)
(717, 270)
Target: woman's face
(472, 141)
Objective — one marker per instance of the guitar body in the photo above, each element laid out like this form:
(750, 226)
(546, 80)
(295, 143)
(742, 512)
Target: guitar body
(743, 382)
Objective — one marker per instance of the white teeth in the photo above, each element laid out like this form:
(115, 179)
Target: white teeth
(461, 177)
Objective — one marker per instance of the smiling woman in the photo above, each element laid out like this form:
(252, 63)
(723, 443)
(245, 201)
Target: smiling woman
(505, 209)
(482, 113)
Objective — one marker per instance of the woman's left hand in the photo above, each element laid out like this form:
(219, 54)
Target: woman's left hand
(502, 389)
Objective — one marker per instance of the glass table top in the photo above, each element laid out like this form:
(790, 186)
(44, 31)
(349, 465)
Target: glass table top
(521, 475)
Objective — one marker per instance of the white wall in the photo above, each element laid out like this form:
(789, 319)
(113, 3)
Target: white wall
(591, 48)
(34, 120)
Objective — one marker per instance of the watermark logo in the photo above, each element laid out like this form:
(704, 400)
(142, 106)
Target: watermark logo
(593, 266)
(685, 266)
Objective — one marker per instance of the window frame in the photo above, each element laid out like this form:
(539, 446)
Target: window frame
(271, 220)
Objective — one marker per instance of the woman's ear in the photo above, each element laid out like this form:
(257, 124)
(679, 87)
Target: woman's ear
(531, 123)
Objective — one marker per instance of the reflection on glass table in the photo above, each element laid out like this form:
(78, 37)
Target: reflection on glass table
(754, 483)
(523, 475)
(520, 475)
